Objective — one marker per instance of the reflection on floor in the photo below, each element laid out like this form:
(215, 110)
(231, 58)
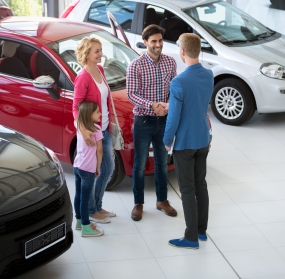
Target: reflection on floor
(246, 181)
(265, 12)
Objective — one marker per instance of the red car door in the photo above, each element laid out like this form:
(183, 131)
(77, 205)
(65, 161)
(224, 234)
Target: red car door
(32, 111)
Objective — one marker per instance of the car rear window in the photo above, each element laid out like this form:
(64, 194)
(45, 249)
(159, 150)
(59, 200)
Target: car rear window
(122, 10)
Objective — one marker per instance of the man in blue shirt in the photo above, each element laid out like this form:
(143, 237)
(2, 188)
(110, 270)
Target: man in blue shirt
(190, 94)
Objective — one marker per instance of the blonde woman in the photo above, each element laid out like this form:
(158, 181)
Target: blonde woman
(91, 85)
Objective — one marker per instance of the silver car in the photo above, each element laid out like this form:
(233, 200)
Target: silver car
(246, 57)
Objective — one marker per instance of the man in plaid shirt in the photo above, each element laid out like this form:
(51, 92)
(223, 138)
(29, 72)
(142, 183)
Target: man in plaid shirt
(148, 83)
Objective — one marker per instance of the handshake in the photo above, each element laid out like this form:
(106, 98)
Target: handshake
(160, 108)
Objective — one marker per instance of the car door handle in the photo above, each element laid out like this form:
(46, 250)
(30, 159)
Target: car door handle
(140, 45)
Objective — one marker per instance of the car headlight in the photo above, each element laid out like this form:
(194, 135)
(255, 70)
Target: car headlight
(56, 164)
(273, 70)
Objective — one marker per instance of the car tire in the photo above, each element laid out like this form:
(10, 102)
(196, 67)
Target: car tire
(232, 102)
(118, 173)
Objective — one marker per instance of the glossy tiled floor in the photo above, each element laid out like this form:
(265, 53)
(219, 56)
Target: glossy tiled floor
(246, 181)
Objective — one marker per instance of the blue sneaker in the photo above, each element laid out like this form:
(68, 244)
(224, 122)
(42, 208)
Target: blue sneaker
(202, 237)
(184, 243)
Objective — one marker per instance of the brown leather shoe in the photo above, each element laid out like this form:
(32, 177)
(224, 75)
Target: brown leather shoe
(137, 212)
(166, 208)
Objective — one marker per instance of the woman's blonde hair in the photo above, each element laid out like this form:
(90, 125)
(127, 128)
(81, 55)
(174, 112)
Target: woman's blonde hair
(85, 111)
(191, 43)
(83, 49)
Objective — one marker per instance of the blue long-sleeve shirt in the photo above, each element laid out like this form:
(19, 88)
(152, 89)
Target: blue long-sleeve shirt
(190, 94)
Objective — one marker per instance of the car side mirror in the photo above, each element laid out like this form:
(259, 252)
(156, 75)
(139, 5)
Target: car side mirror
(48, 83)
(205, 44)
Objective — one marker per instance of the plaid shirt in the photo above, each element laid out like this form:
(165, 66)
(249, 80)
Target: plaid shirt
(147, 82)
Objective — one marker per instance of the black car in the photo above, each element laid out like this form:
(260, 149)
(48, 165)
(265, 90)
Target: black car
(35, 207)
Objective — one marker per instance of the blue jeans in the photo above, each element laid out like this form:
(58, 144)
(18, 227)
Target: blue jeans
(84, 182)
(106, 170)
(149, 129)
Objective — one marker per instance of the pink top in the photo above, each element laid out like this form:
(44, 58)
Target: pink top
(86, 155)
(85, 89)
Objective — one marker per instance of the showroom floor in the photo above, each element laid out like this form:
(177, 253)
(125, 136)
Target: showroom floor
(246, 181)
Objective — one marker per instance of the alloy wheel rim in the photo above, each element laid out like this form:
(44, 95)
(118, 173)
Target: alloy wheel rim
(229, 103)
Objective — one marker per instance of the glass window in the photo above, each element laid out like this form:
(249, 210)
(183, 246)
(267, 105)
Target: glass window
(116, 56)
(173, 25)
(123, 11)
(227, 23)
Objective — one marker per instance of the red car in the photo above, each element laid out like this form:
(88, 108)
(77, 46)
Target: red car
(35, 47)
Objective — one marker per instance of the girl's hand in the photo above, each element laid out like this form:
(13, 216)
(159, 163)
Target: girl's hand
(97, 174)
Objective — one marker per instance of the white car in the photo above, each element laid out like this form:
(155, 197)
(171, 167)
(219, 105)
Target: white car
(246, 57)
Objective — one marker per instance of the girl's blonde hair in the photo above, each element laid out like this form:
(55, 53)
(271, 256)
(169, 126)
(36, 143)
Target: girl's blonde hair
(83, 49)
(85, 111)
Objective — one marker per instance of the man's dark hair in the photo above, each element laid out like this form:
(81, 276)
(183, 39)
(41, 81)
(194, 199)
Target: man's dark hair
(152, 30)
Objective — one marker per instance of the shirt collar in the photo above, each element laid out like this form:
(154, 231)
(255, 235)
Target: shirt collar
(197, 65)
(150, 59)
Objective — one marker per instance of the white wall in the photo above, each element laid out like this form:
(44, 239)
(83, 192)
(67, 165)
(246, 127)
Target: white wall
(263, 11)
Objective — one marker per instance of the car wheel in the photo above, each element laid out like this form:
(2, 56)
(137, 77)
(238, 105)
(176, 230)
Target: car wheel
(118, 173)
(76, 67)
(232, 102)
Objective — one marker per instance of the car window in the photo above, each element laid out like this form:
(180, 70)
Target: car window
(171, 23)
(116, 56)
(227, 23)
(122, 10)
(23, 61)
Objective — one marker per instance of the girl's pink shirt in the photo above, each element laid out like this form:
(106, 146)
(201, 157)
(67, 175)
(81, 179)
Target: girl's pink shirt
(86, 155)
(85, 89)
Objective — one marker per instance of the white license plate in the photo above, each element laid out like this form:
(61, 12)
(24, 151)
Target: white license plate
(45, 240)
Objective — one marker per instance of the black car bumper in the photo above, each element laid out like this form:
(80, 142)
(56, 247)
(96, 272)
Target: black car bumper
(35, 235)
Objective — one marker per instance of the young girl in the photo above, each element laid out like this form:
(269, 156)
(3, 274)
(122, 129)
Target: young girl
(87, 166)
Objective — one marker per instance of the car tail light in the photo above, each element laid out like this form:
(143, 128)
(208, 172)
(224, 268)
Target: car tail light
(69, 9)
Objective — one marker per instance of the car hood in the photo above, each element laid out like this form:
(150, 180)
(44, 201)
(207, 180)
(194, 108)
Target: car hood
(27, 173)
(273, 51)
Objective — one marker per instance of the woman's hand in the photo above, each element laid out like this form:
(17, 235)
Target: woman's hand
(86, 134)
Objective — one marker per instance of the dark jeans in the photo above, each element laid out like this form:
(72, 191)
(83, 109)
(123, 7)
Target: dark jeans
(190, 168)
(106, 170)
(84, 182)
(149, 129)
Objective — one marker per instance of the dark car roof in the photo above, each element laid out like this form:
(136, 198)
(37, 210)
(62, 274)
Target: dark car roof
(45, 28)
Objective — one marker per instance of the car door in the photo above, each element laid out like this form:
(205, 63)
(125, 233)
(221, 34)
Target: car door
(26, 108)
(125, 13)
(173, 24)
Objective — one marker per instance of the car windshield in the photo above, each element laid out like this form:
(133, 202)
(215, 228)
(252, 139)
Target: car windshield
(228, 24)
(116, 56)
